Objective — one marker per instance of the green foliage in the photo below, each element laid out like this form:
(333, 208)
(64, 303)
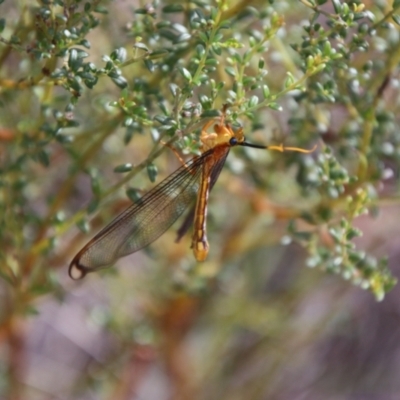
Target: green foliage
(173, 77)
(69, 93)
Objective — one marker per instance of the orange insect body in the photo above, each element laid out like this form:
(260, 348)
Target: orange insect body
(219, 142)
(143, 222)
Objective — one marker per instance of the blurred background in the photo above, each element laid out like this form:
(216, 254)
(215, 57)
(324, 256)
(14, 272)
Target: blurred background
(283, 307)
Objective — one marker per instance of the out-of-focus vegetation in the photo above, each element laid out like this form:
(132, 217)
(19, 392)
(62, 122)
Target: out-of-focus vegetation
(90, 92)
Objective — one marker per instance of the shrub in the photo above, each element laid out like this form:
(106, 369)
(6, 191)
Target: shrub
(91, 92)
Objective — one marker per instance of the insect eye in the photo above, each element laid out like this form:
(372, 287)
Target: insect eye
(233, 141)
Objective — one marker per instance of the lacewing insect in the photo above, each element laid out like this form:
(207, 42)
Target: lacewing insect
(143, 222)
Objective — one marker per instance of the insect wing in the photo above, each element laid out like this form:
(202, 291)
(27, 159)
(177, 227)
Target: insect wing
(189, 219)
(143, 222)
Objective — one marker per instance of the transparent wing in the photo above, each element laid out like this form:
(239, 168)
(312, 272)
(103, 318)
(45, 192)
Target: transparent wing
(189, 219)
(143, 222)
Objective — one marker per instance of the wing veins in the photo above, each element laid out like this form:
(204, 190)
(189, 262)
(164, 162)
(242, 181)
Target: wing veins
(189, 219)
(147, 212)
